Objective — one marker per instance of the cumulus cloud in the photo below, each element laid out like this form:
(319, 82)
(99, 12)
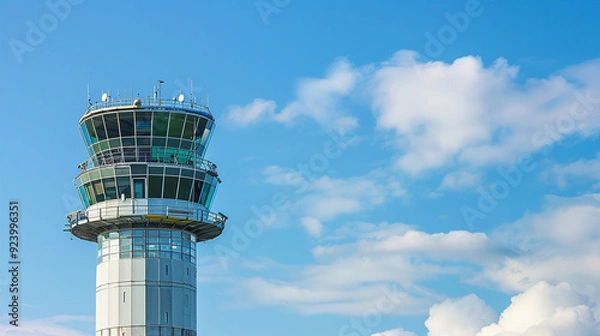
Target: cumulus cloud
(250, 113)
(320, 98)
(467, 113)
(563, 244)
(459, 317)
(542, 310)
(317, 99)
(582, 168)
(379, 262)
(325, 198)
(312, 226)
(463, 113)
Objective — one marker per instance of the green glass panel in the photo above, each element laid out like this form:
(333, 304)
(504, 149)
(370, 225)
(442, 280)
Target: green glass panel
(157, 154)
(112, 126)
(96, 148)
(143, 123)
(95, 175)
(84, 198)
(108, 172)
(200, 128)
(91, 131)
(176, 125)
(98, 123)
(124, 186)
(122, 171)
(188, 130)
(170, 189)
(98, 190)
(89, 192)
(160, 124)
(205, 192)
(155, 186)
(104, 145)
(126, 124)
(185, 187)
(110, 188)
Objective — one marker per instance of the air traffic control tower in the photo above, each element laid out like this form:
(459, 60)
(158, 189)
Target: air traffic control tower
(147, 192)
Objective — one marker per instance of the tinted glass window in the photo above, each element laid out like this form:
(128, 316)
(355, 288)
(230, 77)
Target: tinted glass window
(110, 188)
(143, 123)
(161, 122)
(98, 191)
(126, 124)
(99, 127)
(139, 188)
(185, 186)
(155, 187)
(176, 125)
(170, 190)
(91, 131)
(124, 186)
(112, 127)
(188, 130)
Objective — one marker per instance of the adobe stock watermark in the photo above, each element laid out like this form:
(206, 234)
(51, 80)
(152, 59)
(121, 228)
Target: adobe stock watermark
(389, 300)
(265, 215)
(38, 30)
(457, 24)
(544, 139)
(446, 35)
(266, 8)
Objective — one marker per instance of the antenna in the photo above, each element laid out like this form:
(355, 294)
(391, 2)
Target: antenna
(160, 82)
(191, 93)
(104, 97)
(88, 96)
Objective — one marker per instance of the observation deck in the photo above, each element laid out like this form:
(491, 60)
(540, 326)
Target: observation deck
(146, 168)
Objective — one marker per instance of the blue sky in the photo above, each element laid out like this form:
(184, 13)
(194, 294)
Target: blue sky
(389, 168)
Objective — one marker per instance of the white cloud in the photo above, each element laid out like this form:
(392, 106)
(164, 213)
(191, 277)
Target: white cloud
(312, 226)
(325, 198)
(581, 168)
(317, 99)
(283, 176)
(395, 332)
(320, 98)
(467, 113)
(250, 113)
(459, 180)
(53, 326)
(542, 310)
(350, 278)
(459, 317)
(563, 244)
(546, 310)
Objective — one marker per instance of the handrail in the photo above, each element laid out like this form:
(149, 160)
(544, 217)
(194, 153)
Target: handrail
(125, 210)
(146, 103)
(198, 163)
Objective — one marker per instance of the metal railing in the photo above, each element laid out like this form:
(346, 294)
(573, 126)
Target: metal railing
(148, 102)
(197, 162)
(129, 210)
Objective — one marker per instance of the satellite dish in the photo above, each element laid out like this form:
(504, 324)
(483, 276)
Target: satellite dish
(181, 98)
(137, 102)
(104, 97)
